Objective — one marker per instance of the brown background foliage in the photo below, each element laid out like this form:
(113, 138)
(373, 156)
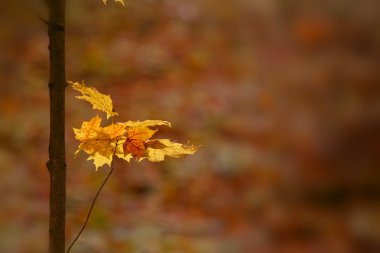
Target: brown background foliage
(283, 96)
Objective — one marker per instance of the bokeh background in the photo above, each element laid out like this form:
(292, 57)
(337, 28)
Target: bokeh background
(283, 96)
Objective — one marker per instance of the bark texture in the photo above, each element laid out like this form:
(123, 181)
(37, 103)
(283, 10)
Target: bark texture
(57, 160)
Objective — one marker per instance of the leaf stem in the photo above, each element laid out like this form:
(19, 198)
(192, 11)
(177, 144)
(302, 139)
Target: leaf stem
(93, 203)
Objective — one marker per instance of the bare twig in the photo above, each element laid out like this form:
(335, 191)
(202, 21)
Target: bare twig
(42, 19)
(37, 14)
(93, 202)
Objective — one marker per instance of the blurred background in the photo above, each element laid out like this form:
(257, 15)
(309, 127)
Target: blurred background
(283, 96)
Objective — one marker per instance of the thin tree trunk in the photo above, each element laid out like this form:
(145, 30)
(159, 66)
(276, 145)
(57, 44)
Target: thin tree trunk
(57, 161)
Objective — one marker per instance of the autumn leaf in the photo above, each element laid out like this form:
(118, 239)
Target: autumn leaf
(146, 123)
(138, 132)
(101, 159)
(98, 100)
(120, 1)
(125, 139)
(158, 149)
(135, 142)
(88, 135)
(139, 146)
(101, 143)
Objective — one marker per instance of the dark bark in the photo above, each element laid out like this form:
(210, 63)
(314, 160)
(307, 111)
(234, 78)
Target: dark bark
(57, 161)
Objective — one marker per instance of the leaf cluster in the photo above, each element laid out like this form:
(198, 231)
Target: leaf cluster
(126, 140)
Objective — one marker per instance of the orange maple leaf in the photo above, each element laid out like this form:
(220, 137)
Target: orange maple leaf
(135, 142)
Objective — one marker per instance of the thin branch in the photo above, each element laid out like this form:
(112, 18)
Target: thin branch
(93, 202)
(38, 15)
(42, 19)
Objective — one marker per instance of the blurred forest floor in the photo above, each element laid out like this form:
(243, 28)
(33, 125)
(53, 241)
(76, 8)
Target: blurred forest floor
(283, 96)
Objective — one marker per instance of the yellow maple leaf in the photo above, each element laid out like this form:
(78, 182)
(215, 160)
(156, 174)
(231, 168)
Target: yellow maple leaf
(100, 142)
(146, 123)
(89, 134)
(88, 130)
(100, 159)
(158, 149)
(98, 100)
(120, 1)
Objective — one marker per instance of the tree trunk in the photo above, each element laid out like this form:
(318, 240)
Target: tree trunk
(57, 161)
